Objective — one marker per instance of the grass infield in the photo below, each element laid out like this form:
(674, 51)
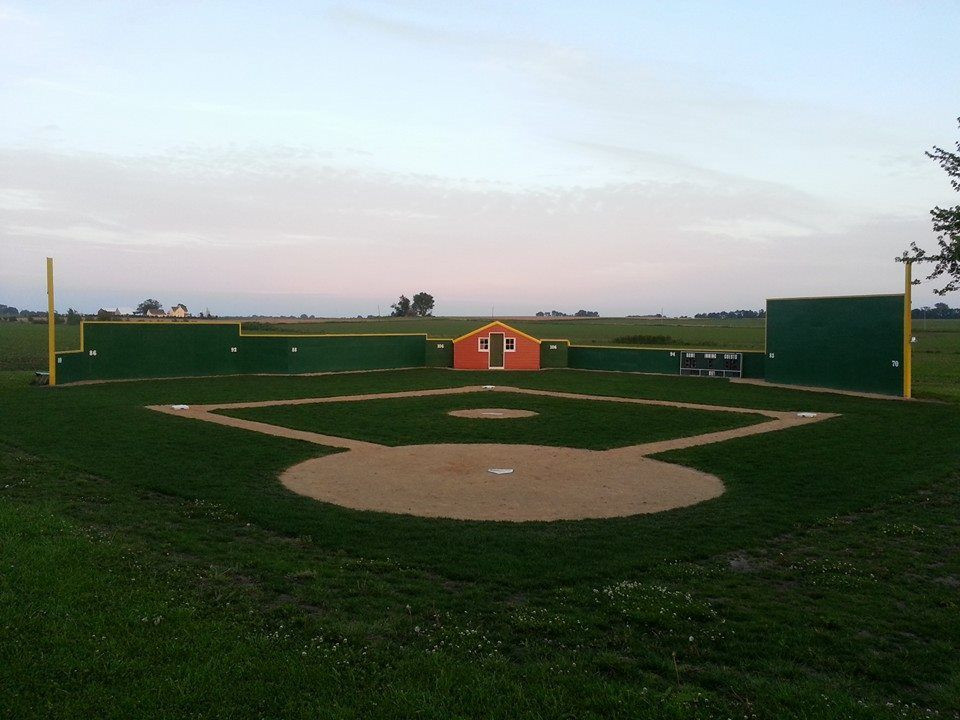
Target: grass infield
(152, 567)
(561, 422)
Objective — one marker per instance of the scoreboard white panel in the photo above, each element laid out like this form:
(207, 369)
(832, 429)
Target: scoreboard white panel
(711, 364)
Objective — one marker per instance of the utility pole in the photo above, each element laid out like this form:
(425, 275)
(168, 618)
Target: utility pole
(51, 327)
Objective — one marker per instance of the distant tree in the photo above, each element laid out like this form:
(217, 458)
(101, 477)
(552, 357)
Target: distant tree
(73, 317)
(946, 223)
(422, 304)
(148, 304)
(732, 315)
(940, 311)
(586, 313)
(401, 308)
(8, 310)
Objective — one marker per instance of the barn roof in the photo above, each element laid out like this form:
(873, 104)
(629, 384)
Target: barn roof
(501, 324)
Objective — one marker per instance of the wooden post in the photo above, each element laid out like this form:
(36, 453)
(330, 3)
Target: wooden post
(51, 326)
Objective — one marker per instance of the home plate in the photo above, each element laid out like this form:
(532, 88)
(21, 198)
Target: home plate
(500, 471)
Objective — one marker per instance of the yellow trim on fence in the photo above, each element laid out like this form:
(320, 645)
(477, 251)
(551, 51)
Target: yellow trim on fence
(301, 335)
(766, 318)
(834, 297)
(240, 332)
(51, 327)
(497, 322)
(907, 330)
(667, 348)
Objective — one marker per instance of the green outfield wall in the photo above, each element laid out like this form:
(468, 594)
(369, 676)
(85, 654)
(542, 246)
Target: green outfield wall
(554, 353)
(665, 361)
(439, 353)
(127, 350)
(754, 365)
(585, 357)
(848, 343)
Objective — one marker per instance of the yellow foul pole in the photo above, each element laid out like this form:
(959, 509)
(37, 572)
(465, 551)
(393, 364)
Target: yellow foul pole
(51, 326)
(907, 330)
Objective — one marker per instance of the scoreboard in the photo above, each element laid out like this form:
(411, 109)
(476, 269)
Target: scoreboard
(711, 364)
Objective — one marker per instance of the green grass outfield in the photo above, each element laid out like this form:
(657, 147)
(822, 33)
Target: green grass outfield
(153, 567)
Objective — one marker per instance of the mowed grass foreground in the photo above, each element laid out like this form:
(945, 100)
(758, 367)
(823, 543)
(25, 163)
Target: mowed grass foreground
(153, 567)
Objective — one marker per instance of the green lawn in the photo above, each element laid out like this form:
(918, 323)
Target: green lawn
(154, 567)
(936, 359)
(566, 423)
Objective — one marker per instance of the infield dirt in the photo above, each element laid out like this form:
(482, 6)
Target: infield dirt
(454, 481)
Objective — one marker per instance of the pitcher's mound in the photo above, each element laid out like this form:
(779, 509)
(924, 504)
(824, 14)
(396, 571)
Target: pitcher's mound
(547, 483)
(493, 413)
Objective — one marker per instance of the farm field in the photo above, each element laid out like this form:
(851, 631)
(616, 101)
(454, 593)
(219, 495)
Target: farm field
(734, 334)
(154, 567)
(23, 346)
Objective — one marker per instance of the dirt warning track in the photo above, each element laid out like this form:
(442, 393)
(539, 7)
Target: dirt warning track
(455, 481)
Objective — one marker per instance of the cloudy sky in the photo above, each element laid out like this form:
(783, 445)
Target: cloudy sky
(325, 157)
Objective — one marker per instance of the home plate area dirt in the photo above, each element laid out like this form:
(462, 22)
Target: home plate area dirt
(455, 481)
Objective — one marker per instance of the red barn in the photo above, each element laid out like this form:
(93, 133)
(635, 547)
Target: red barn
(496, 346)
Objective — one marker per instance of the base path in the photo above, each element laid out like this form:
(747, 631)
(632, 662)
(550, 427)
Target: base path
(454, 481)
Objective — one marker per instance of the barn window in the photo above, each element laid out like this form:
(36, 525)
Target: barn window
(510, 344)
(484, 344)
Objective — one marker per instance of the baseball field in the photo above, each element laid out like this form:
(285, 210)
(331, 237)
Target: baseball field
(300, 547)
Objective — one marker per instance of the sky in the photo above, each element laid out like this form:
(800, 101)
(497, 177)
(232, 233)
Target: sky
(323, 158)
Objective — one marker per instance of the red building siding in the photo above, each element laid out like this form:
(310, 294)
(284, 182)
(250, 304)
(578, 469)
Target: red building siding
(468, 356)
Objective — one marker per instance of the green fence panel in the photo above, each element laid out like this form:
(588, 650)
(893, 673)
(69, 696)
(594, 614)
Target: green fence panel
(438, 352)
(624, 359)
(72, 367)
(262, 354)
(554, 353)
(353, 352)
(754, 365)
(846, 343)
(116, 351)
(144, 350)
